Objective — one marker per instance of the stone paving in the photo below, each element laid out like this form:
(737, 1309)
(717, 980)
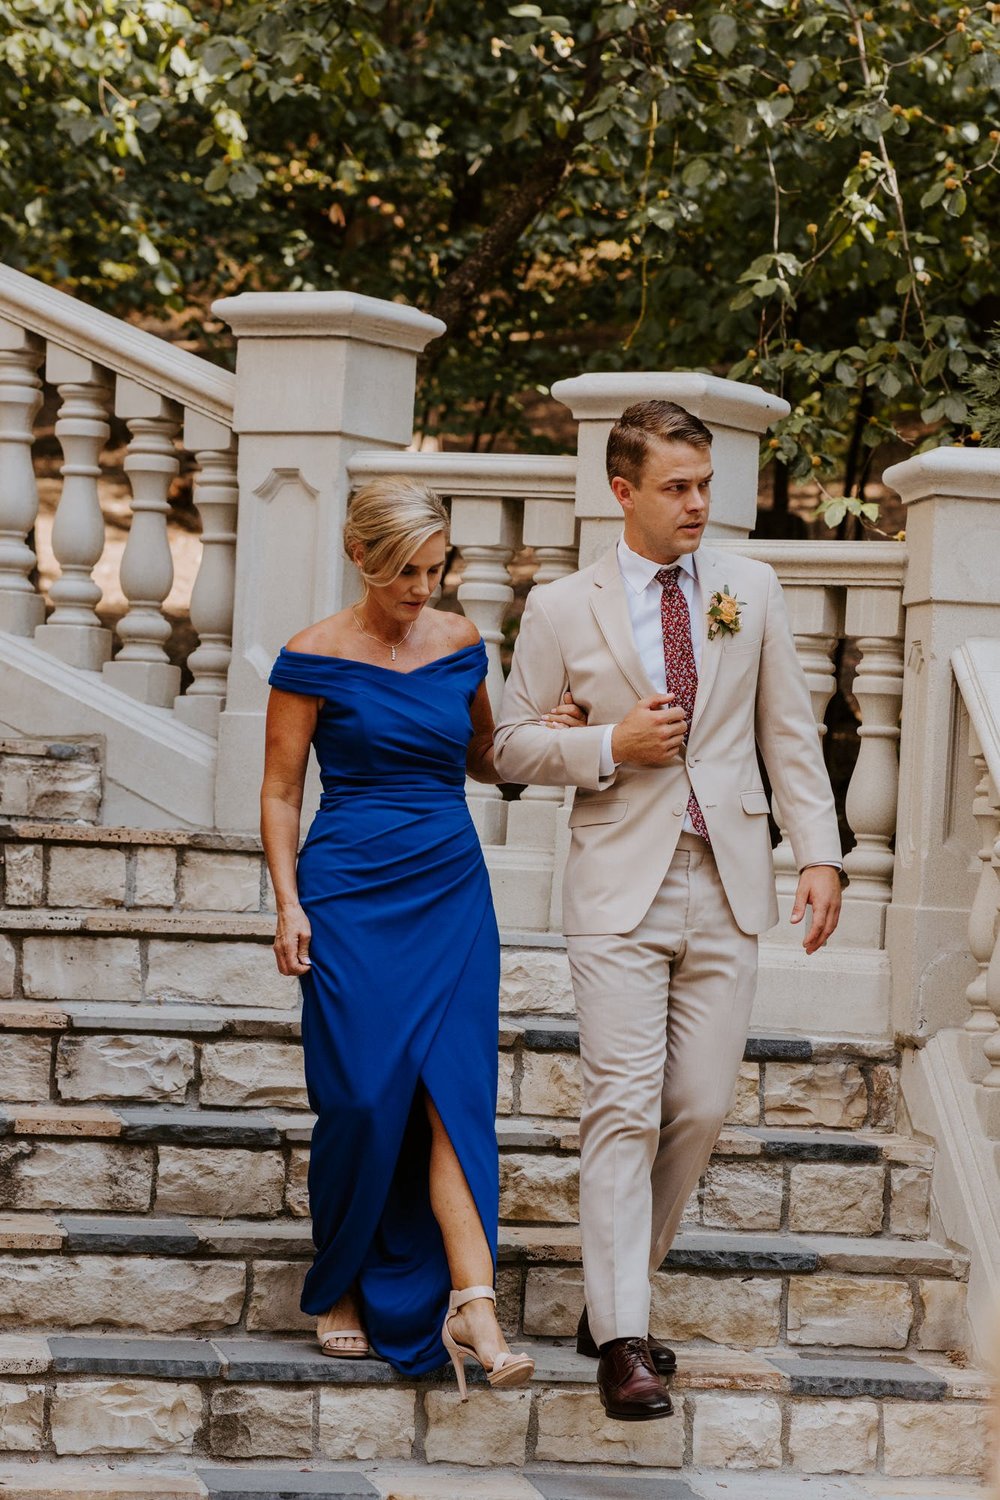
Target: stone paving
(411, 1482)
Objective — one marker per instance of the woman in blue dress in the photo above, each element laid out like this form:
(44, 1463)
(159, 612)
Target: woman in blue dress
(387, 919)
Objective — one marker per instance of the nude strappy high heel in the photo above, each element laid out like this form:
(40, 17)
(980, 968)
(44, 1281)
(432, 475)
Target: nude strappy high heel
(508, 1369)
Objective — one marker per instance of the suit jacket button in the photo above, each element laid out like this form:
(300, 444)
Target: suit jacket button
(680, 809)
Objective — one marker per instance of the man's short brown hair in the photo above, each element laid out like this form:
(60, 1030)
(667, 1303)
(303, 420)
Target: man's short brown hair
(628, 441)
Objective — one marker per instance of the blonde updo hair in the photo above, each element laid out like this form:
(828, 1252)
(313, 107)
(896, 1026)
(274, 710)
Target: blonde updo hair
(389, 519)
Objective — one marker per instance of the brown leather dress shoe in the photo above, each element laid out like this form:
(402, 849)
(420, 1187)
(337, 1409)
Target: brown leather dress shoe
(663, 1357)
(629, 1387)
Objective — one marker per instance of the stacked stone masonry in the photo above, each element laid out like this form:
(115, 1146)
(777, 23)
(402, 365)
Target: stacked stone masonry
(155, 1134)
(240, 1399)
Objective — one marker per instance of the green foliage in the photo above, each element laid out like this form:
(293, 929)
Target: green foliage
(801, 193)
(983, 384)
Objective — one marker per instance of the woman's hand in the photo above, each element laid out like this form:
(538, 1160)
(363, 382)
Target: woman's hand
(291, 940)
(566, 716)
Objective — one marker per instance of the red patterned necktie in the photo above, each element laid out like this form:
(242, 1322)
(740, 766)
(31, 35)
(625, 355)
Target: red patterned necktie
(682, 670)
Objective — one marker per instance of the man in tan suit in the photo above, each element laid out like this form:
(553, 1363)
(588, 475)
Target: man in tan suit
(683, 659)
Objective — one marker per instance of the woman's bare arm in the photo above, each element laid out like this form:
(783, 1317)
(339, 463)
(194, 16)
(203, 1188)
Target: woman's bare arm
(479, 761)
(291, 721)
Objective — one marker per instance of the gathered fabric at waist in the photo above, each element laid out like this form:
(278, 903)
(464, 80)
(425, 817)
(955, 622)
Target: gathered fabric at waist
(403, 793)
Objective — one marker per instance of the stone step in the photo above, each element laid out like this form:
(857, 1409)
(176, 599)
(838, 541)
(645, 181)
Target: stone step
(233, 1057)
(226, 1401)
(752, 1290)
(239, 1163)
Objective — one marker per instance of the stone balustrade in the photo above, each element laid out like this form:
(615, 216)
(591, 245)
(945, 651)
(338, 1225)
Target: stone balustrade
(848, 594)
(976, 665)
(170, 402)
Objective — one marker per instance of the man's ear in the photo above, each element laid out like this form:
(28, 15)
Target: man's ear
(622, 491)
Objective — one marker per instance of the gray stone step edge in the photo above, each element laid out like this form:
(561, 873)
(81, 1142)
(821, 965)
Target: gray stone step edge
(76, 1234)
(693, 1250)
(288, 1360)
(180, 1125)
(538, 1033)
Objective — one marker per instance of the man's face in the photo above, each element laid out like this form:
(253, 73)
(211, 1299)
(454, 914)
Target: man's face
(666, 512)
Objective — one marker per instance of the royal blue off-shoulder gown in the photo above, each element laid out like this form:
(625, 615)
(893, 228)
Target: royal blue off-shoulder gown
(402, 995)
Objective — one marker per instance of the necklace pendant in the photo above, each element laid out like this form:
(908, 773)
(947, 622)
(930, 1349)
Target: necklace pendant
(393, 650)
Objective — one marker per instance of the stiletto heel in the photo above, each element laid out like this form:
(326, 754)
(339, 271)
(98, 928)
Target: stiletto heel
(507, 1369)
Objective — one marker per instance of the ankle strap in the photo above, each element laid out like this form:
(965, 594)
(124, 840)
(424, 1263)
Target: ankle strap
(469, 1294)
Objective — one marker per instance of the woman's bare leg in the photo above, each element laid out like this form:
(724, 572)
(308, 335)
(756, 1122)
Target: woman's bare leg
(469, 1258)
(343, 1314)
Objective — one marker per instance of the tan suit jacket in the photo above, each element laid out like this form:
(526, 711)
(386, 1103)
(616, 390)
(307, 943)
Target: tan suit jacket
(577, 633)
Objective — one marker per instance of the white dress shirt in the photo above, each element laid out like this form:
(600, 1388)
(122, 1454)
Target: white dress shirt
(644, 595)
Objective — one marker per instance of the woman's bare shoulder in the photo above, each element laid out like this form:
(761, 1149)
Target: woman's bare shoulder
(324, 638)
(455, 631)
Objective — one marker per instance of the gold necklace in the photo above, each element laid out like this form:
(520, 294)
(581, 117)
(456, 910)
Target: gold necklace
(389, 644)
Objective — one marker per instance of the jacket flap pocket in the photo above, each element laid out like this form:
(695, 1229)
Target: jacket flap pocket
(585, 813)
(754, 802)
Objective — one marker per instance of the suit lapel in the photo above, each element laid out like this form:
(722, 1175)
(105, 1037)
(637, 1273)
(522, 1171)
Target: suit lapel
(710, 568)
(610, 607)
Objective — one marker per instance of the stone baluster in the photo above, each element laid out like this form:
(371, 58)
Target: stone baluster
(874, 619)
(487, 531)
(981, 1022)
(22, 608)
(550, 528)
(73, 631)
(814, 614)
(215, 497)
(142, 668)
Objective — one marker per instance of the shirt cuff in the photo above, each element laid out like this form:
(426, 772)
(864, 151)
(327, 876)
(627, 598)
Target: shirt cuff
(829, 864)
(608, 765)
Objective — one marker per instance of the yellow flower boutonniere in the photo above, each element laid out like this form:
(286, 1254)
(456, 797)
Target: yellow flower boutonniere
(724, 613)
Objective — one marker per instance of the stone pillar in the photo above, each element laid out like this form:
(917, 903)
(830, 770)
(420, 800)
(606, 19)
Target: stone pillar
(952, 592)
(318, 375)
(737, 415)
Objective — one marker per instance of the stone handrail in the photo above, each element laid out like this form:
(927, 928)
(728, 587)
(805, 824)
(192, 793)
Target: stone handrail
(976, 665)
(116, 345)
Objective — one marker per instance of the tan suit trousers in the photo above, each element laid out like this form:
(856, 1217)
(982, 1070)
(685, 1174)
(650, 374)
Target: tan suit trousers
(663, 1013)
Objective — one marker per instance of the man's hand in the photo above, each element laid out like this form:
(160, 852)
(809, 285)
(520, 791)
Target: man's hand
(819, 887)
(652, 734)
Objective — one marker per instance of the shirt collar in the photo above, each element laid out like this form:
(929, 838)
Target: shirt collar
(639, 572)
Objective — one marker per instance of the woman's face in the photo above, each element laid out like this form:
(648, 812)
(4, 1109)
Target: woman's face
(404, 598)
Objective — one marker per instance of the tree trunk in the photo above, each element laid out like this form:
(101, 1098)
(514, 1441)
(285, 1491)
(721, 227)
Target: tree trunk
(466, 283)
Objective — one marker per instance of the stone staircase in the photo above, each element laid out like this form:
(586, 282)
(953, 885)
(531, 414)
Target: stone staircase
(154, 1230)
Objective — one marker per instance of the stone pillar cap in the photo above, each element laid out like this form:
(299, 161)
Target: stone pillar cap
(347, 315)
(728, 403)
(965, 473)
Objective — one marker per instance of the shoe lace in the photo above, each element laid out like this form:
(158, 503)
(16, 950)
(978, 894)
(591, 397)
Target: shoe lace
(639, 1348)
